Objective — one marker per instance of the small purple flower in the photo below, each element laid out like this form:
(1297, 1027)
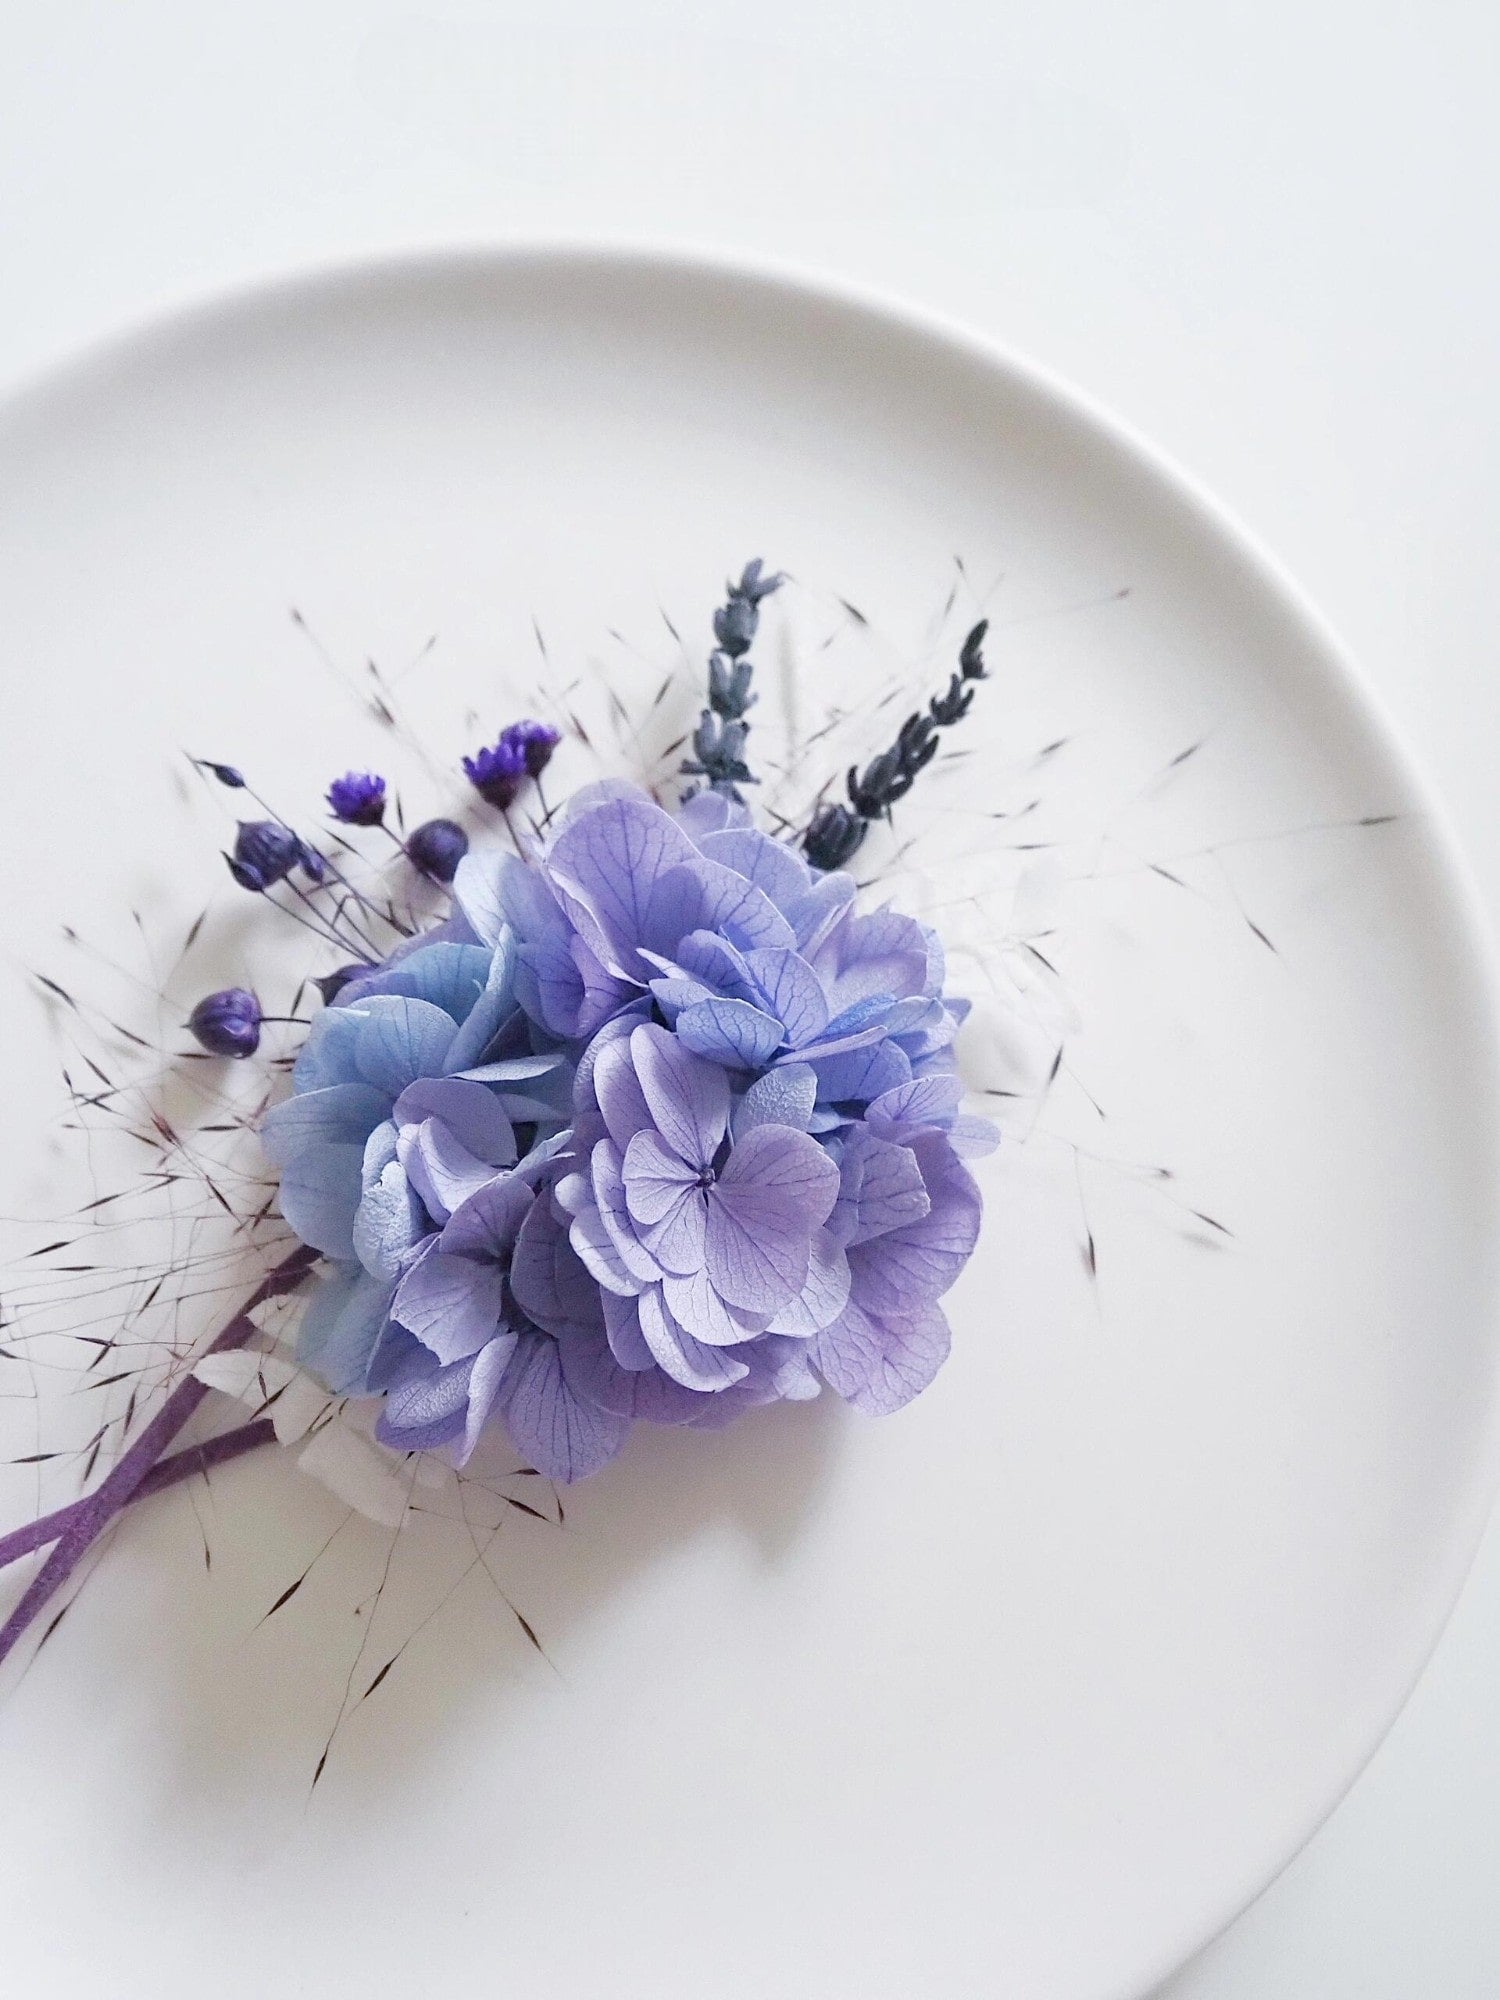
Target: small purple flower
(498, 773)
(227, 1023)
(436, 848)
(538, 740)
(358, 798)
(265, 853)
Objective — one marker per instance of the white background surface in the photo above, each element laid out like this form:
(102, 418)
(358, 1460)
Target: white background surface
(1261, 234)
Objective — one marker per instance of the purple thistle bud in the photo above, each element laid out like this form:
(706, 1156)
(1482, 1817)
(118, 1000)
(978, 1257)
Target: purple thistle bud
(358, 798)
(227, 1023)
(265, 852)
(499, 772)
(225, 773)
(312, 864)
(332, 984)
(538, 740)
(436, 848)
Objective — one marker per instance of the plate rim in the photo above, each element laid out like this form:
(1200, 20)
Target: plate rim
(182, 312)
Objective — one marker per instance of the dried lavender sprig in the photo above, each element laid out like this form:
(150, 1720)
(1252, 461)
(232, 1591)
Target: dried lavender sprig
(719, 740)
(836, 831)
(134, 1464)
(169, 1471)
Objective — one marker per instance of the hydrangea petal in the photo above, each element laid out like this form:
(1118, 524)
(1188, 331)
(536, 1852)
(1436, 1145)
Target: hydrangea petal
(641, 1394)
(783, 1096)
(730, 1032)
(824, 1294)
(452, 1304)
(656, 1178)
(399, 1040)
(556, 1430)
(792, 992)
(693, 1363)
(878, 1365)
(904, 1270)
(319, 1195)
(338, 1113)
(611, 862)
(340, 1327)
(687, 1097)
(471, 1112)
(696, 1307)
(389, 1224)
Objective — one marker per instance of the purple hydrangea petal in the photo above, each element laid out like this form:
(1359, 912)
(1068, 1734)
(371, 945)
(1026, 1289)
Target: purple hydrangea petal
(904, 1270)
(489, 1220)
(692, 1301)
(792, 992)
(878, 1365)
(783, 1096)
(882, 1185)
(883, 952)
(711, 812)
(440, 1167)
(973, 1138)
(597, 1251)
(707, 897)
(607, 1170)
(777, 1187)
(426, 1405)
(338, 1113)
(815, 912)
(341, 1327)
(551, 1286)
(862, 1073)
(926, 1100)
(677, 1240)
(320, 1194)
(730, 1032)
(618, 1093)
(656, 1178)
(688, 1098)
(691, 1362)
(610, 863)
(824, 1294)
(470, 1111)
(714, 960)
(622, 1328)
(452, 1304)
(477, 892)
(641, 1394)
(753, 1263)
(554, 1428)
(779, 871)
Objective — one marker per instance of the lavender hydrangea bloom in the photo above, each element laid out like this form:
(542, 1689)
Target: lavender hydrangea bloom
(754, 957)
(740, 1259)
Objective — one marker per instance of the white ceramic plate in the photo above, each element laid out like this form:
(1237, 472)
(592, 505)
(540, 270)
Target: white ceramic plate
(1027, 1690)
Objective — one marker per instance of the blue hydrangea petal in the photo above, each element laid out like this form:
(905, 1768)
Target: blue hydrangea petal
(341, 1327)
(319, 1195)
(472, 1113)
(450, 976)
(338, 1113)
(391, 1222)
